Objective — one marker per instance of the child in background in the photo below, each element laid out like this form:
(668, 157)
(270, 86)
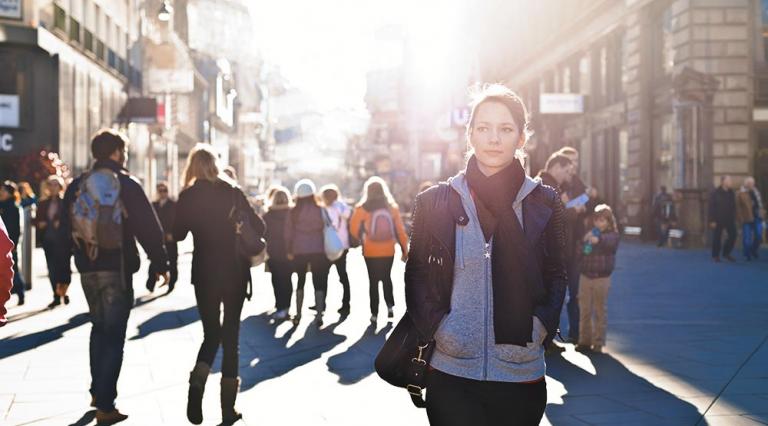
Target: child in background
(599, 258)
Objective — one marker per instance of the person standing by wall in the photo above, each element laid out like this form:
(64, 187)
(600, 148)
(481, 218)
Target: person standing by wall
(664, 215)
(750, 213)
(722, 217)
(279, 266)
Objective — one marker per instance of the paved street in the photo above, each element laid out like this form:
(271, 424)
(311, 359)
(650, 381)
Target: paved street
(686, 337)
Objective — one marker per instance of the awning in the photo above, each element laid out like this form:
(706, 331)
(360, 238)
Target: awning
(139, 110)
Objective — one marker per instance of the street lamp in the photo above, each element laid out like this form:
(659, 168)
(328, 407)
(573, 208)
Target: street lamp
(164, 15)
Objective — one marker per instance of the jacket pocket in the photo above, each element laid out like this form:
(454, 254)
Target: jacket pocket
(459, 336)
(523, 354)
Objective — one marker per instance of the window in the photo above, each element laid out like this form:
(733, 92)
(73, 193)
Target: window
(59, 18)
(584, 86)
(664, 45)
(74, 29)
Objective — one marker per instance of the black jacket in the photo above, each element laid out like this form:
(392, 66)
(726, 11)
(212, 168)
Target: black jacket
(277, 246)
(203, 209)
(722, 206)
(11, 215)
(166, 213)
(140, 224)
(429, 270)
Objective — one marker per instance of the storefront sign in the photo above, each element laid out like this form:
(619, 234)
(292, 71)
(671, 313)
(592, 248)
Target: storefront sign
(10, 9)
(9, 111)
(6, 142)
(561, 103)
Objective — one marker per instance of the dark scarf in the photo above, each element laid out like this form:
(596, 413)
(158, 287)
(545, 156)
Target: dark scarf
(513, 303)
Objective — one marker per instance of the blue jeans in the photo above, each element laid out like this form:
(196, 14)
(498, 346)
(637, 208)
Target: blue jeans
(751, 237)
(110, 298)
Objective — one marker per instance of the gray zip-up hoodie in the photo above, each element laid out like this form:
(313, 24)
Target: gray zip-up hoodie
(465, 340)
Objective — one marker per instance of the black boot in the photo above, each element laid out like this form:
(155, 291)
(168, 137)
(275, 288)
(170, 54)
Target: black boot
(197, 379)
(229, 389)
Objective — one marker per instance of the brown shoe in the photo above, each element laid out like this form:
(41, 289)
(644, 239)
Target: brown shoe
(109, 417)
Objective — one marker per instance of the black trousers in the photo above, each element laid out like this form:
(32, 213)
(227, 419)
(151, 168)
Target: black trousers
(717, 239)
(281, 271)
(319, 264)
(341, 268)
(215, 332)
(380, 269)
(457, 401)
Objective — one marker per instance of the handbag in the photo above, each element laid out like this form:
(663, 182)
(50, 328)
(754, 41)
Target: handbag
(334, 248)
(250, 246)
(403, 361)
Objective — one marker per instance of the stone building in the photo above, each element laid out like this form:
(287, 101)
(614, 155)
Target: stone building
(659, 92)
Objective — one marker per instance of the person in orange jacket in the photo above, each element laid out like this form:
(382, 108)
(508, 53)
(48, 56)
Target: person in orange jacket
(6, 270)
(377, 223)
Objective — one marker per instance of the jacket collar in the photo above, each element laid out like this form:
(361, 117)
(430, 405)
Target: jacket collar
(109, 164)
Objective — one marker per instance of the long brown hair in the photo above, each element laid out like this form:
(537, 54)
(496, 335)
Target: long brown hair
(604, 211)
(203, 163)
(376, 188)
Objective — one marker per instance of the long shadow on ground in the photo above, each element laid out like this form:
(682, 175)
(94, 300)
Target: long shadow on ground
(613, 395)
(356, 363)
(271, 354)
(168, 320)
(15, 345)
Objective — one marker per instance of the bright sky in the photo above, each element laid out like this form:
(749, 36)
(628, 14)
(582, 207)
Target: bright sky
(325, 48)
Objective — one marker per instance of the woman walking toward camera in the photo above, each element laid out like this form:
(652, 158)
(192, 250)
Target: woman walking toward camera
(219, 276)
(49, 233)
(485, 277)
(280, 267)
(377, 219)
(599, 257)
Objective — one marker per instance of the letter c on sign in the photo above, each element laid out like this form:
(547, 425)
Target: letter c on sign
(5, 142)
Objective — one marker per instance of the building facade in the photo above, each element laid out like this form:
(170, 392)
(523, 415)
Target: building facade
(662, 93)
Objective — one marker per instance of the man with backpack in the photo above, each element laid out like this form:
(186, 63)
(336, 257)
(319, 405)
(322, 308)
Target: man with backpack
(105, 212)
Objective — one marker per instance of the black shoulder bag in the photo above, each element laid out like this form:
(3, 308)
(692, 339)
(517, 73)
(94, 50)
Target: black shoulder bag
(248, 242)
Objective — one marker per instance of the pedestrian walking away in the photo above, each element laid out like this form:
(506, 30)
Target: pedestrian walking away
(219, 276)
(50, 236)
(664, 215)
(750, 213)
(599, 247)
(278, 264)
(6, 270)
(490, 326)
(165, 208)
(10, 213)
(377, 222)
(338, 214)
(306, 245)
(722, 217)
(103, 242)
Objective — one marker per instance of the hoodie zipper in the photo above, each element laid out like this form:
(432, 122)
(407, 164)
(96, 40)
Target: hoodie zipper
(487, 314)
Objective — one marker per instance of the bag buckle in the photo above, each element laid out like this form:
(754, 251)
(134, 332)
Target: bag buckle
(419, 358)
(414, 390)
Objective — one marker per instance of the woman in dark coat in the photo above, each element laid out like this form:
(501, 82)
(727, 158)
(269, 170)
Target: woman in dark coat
(47, 223)
(279, 266)
(10, 212)
(306, 245)
(218, 274)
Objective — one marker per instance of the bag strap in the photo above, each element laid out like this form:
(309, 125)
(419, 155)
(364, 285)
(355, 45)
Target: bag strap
(420, 366)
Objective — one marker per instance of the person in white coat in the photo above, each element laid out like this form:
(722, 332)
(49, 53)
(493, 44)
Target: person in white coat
(339, 213)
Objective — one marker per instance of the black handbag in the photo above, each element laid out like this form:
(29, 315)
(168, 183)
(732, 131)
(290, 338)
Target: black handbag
(249, 244)
(403, 361)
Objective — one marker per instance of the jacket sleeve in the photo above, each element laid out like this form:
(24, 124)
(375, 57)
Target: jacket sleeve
(402, 237)
(181, 221)
(417, 271)
(13, 225)
(145, 225)
(555, 276)
(6, 270)
(609, 243)
(356, 221)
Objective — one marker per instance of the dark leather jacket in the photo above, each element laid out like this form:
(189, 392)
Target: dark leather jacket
(429, 270)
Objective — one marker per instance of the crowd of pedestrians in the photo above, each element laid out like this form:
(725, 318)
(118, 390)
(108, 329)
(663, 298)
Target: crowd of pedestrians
(493, 256)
